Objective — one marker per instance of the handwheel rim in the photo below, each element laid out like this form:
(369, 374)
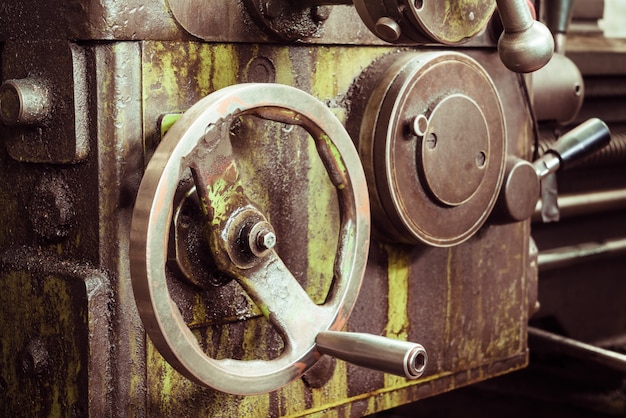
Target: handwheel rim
(150, 228)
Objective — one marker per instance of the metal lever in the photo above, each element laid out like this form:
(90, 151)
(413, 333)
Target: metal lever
(387, 355)
(525, 182)
(526, 44)
(581, 141)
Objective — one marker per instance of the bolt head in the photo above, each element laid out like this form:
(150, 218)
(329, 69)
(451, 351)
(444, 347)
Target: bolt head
(266, 239)
(261, 238)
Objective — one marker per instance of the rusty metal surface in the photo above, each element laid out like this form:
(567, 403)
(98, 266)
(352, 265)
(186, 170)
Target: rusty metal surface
(419, 22)
(216, 22)
(170, 392)
(70, 181)
(63, 76)
(132, 79)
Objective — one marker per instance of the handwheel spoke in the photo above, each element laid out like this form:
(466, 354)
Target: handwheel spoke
(266, 279)
(284, 302)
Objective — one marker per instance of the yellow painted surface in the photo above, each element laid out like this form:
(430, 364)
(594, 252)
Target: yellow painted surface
(399, 263)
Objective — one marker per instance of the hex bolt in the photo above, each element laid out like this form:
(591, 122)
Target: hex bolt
(261, 238)
(266, 239)
(24, 102)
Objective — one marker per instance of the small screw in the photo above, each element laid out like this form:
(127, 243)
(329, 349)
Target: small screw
(431, 141)
(261, 238)
(481, 159)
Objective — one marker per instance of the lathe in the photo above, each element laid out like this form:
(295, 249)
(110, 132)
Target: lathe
(318, 207)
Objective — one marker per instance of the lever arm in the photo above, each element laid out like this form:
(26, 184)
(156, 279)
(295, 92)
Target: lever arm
(526, 181)
(581, 141)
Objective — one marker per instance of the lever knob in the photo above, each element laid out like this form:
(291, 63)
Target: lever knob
(387, 355)
(526, 44)
(580, 142)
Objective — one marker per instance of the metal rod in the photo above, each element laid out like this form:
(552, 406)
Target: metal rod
(580, 350)
(387, 355)
(587, 203)
(567, 256)
(515, 15)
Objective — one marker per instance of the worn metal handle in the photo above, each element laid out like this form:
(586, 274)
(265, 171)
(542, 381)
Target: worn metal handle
(387, 355)
(583, 140)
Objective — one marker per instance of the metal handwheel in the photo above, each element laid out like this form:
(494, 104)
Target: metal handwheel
(242, 239)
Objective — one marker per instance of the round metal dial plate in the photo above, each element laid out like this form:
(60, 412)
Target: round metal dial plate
(433, 145)
(454, 150)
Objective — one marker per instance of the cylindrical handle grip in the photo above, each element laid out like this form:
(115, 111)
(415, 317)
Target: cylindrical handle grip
(582, 141)
(558, 14)
(397, 357)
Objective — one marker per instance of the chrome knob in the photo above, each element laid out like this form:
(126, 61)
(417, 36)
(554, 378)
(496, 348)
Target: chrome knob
(526, 44)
